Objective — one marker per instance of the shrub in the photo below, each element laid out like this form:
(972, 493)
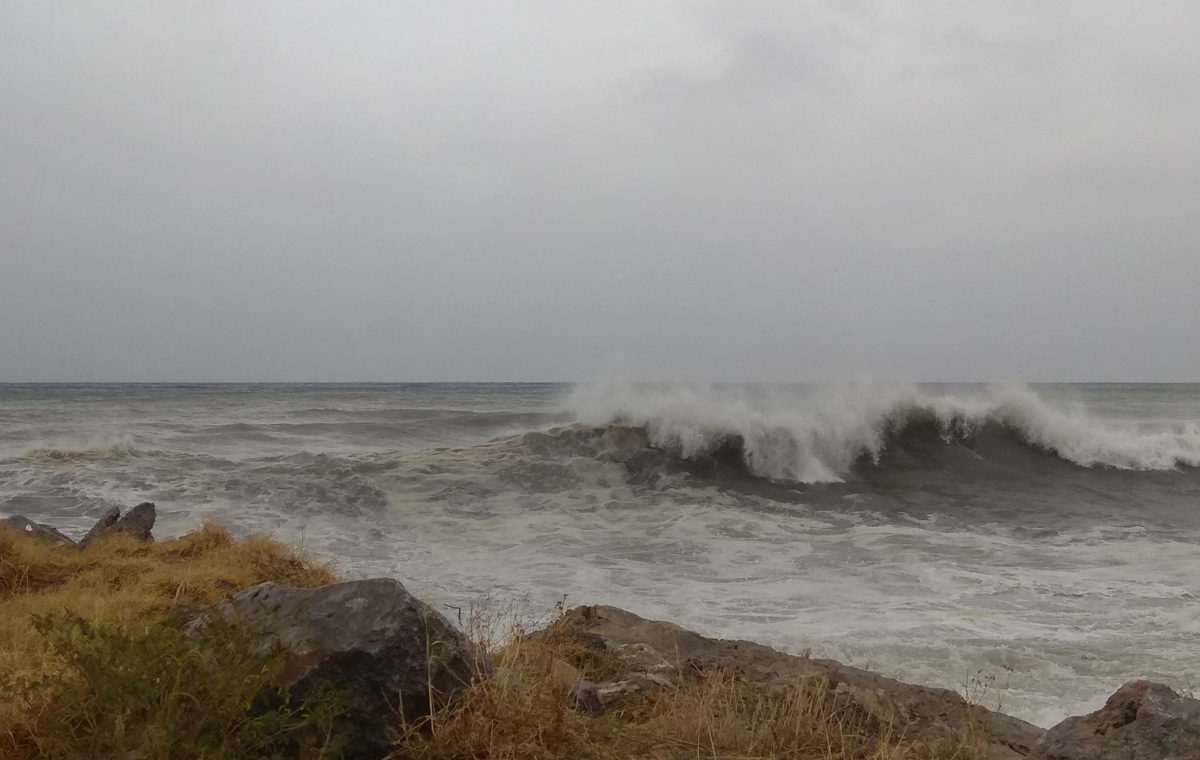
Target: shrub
(92, 658)
(152, 691)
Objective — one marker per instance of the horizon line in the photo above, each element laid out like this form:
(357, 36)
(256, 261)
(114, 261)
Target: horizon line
(592, 382)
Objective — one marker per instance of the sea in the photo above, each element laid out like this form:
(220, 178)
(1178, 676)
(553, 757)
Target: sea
(1031, 546)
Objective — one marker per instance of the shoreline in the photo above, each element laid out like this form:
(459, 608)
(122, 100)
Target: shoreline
(927, 565)
(644, 662)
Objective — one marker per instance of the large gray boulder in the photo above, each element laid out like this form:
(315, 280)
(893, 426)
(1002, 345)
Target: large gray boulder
(384, 649)
(1140, 721)
(137, 522)
(28, 527)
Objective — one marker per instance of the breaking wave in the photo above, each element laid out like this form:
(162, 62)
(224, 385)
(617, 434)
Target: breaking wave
(83, 453)
(823, 438)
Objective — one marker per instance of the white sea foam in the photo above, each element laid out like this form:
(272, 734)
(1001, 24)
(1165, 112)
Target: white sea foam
(1061, 587)
(818, 436)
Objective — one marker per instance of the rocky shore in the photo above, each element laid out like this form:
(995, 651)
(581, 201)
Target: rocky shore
(413, 684)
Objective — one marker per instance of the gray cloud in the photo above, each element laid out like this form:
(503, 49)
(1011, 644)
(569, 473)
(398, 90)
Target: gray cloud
(777, 190)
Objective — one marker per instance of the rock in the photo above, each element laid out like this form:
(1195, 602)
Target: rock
(562, 675)
(644, 657)
(597, 698)
(28, 527)
(137, 522)
(632, 687)
(508, 678)
(1140, 721)
(584, 698)
(928, 711)
(382, 647)
(102, 527)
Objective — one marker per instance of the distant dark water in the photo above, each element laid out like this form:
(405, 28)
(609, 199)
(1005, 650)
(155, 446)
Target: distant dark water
(1048, 534)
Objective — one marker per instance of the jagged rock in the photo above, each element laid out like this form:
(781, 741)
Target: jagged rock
(102, 527)
(927, 711)
(1140, 721)
(28, 527)
(137, 522)
(380, 646)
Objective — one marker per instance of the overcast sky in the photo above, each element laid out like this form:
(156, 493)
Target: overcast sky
(231, 190)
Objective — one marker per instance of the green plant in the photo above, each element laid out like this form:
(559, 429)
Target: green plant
(151, 690)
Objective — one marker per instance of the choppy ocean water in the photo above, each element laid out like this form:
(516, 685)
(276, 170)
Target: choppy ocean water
(1042, 542)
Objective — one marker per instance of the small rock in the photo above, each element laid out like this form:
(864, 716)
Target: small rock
(28, 527)
(137, 522)
(632, 686)
(563, 675)
(584, 698)
(383, 648)
(597, 698)
(1140, 721)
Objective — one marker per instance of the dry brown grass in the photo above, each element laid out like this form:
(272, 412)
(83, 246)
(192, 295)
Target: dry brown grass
(118, 582)
(523, 714)
(124, 590)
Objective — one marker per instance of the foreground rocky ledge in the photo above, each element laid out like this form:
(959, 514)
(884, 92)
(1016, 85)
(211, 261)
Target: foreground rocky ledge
(923, 710)
(402, 667)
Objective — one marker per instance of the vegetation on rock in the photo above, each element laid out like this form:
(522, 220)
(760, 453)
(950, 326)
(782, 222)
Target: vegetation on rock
(525, 713)
(95, 662)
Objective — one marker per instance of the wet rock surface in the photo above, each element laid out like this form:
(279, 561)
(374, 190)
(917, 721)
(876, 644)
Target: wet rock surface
(1140, 721)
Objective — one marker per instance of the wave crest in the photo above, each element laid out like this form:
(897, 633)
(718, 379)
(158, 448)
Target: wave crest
(97, 452)
(818, 437)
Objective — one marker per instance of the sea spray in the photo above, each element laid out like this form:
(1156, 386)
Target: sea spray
(820, 435)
